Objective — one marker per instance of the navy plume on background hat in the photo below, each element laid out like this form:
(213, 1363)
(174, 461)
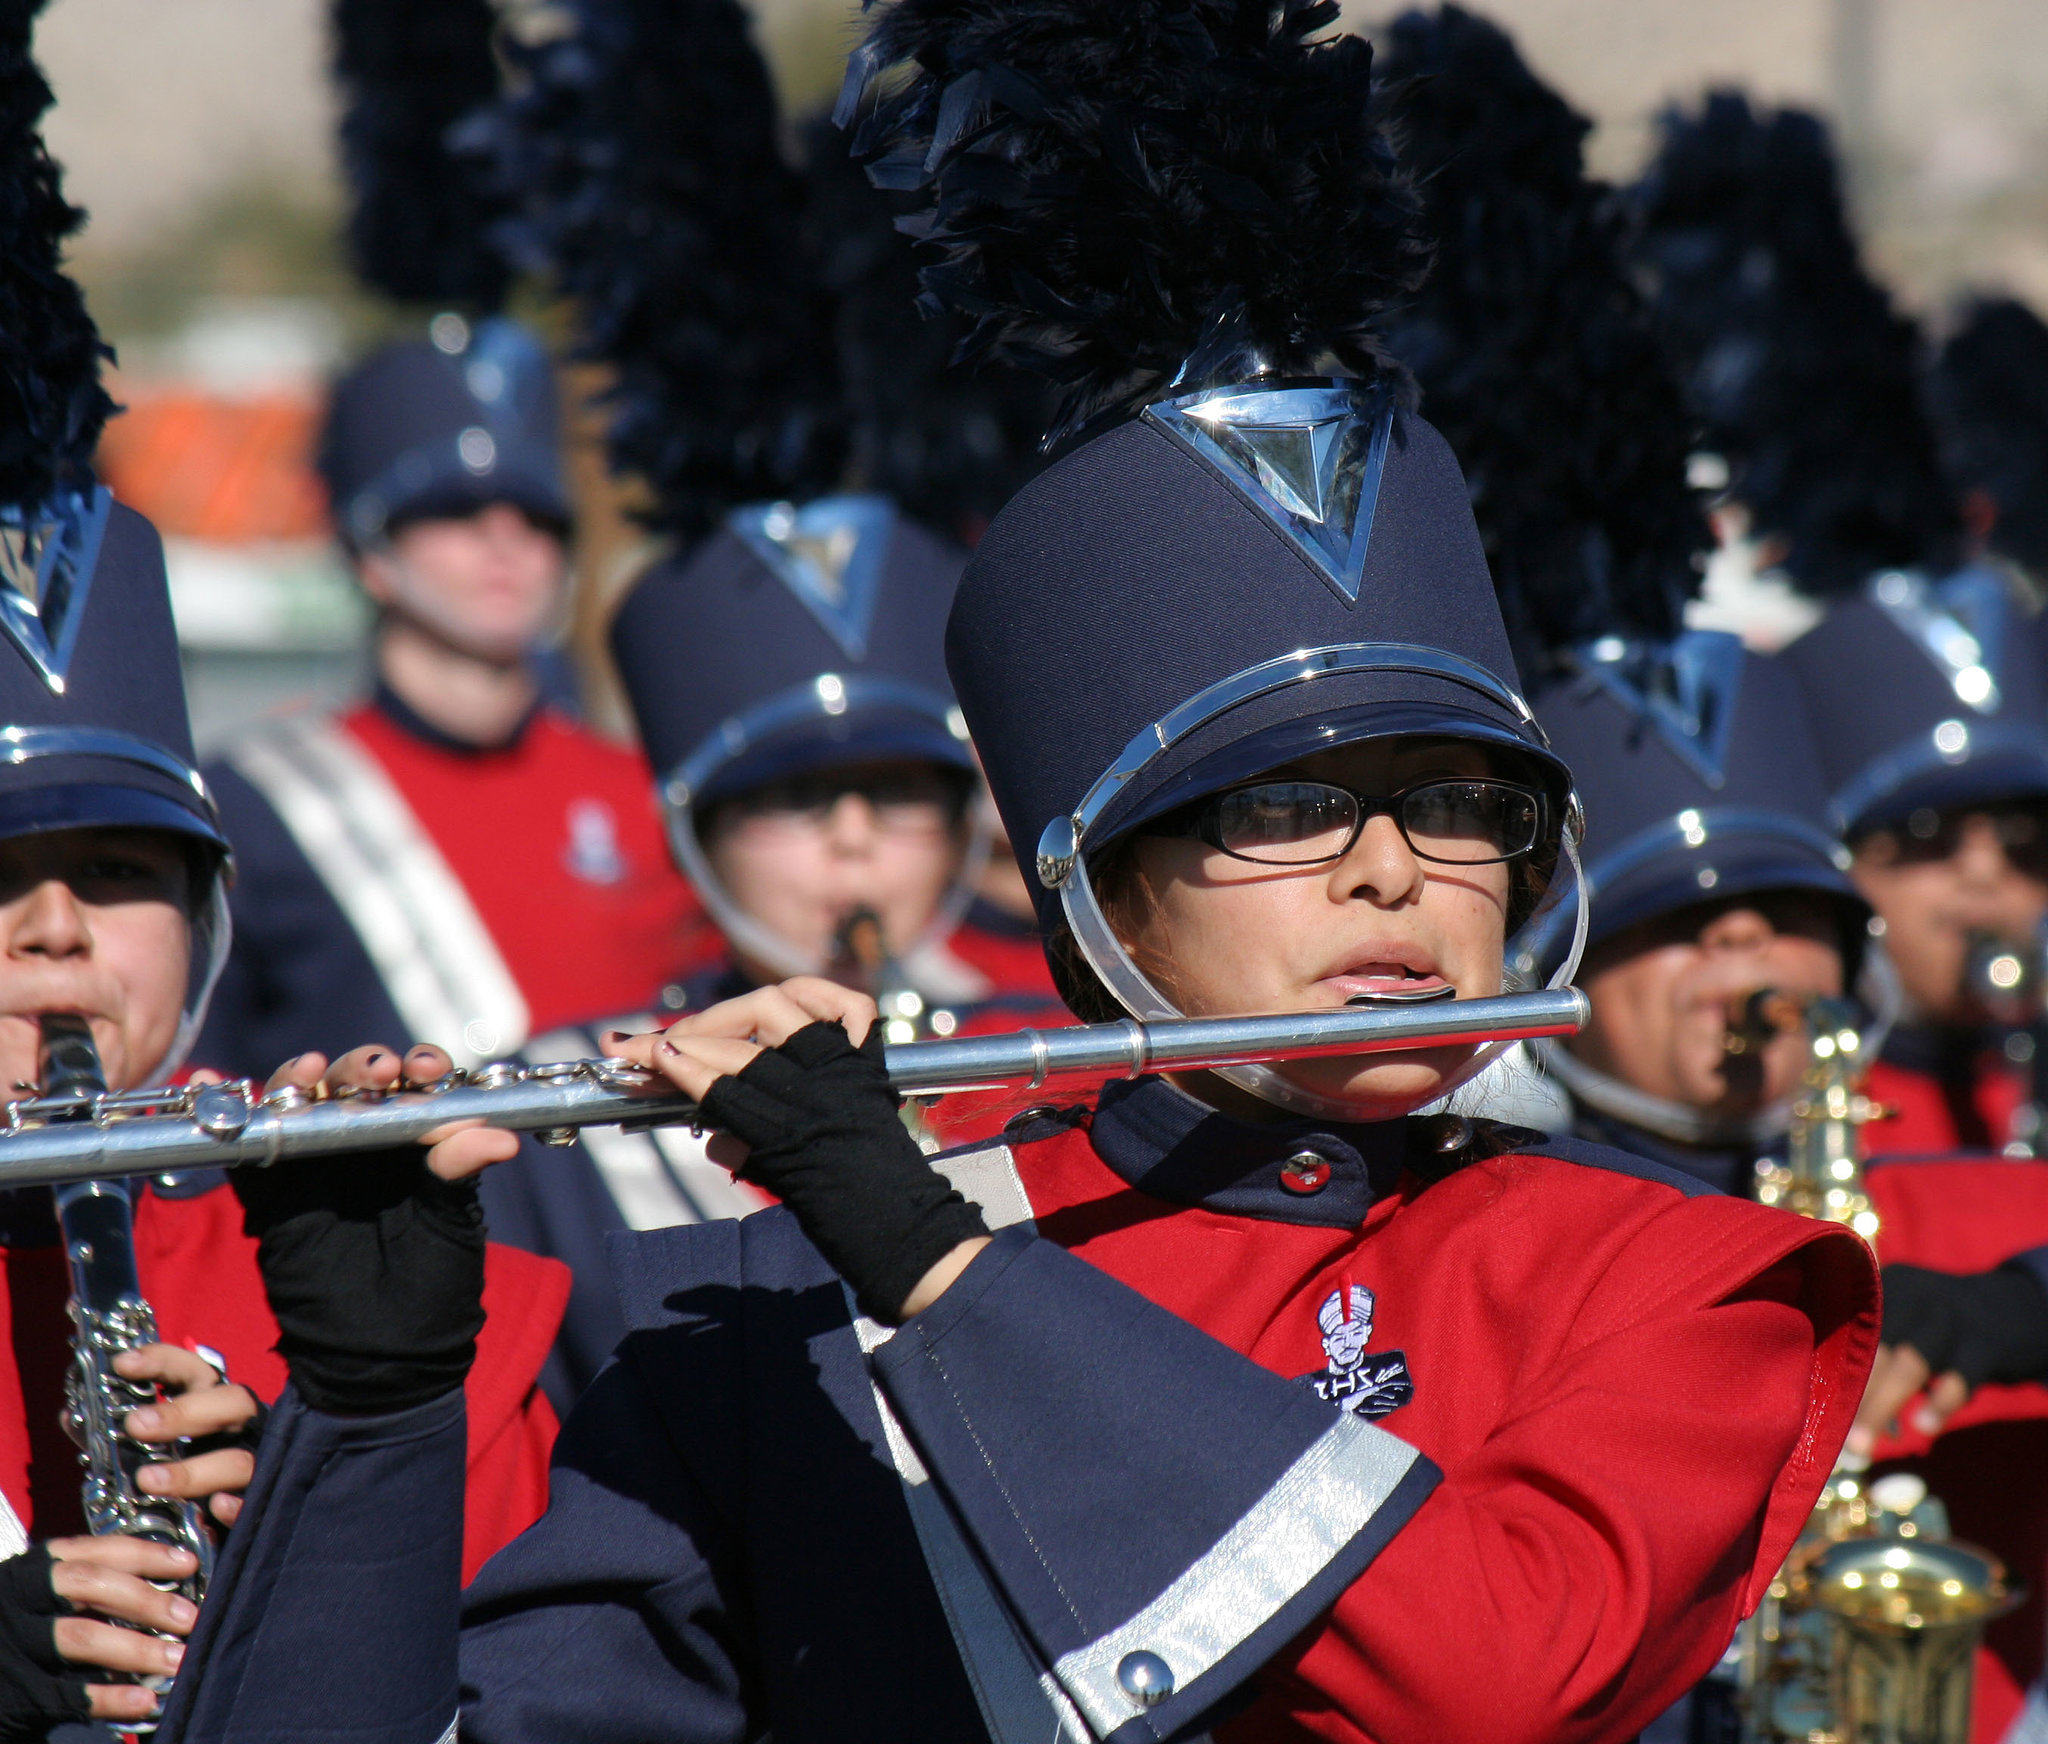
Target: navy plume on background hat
(1536, 353)
(1990, 391)
(444, 426)
(1926, 695)
(1698, 774)
(1803, 376)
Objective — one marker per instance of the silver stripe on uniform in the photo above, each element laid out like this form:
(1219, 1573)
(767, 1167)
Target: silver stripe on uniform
(1325, 1499)
(436, 958)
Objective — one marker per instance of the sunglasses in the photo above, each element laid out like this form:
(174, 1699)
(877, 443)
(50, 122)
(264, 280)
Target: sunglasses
(1462, 821)
(1928, 836)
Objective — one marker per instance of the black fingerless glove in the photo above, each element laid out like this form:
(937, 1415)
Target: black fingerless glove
(375, 1271)
(39, 1688)
(1987, 1326)
(821, 1122)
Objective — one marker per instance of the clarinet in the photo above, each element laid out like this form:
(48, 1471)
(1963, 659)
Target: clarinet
(109, 1316)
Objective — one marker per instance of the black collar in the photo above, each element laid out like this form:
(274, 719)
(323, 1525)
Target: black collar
(409, 720)
(1166, 1144)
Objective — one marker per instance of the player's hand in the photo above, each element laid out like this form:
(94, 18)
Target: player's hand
(57, 1602)
(203, 1408)
(462, 1147)
(1945, 1335)
(374, 1260)
(792, 1078)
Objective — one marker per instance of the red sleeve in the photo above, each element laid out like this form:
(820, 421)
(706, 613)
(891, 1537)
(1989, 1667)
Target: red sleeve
(1574, 1577)
(511, 1424)
(199, 1273)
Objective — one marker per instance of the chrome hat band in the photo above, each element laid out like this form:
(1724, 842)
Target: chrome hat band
(1694, 828)
(1060, 844)
(26, 744)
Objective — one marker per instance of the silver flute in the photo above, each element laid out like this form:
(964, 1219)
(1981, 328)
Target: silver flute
(107, 1135)
(95, 1219)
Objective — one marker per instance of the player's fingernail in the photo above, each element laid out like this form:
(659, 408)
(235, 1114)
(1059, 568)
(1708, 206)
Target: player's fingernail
(174, 1651)
(373, 1056)
(671, 1048)
(149, 1478)
(146, 1418)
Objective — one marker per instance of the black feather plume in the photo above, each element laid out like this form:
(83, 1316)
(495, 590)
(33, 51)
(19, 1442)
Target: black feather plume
(1115, 185)
(419, 220)
(1990, 391)
(1799, 369)
(1536, 355)
(51, 403)
(950, 443)
(640, 142)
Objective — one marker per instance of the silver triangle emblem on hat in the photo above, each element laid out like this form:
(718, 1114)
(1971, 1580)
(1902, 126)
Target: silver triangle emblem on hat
(1685, 688)
(1308, 458)
(47, 558)
(829, 553)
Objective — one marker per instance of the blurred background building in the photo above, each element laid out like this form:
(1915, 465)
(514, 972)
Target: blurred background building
(200, 135)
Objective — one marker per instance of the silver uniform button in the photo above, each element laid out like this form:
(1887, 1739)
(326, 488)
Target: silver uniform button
(1305, 1172)
(1146, 1678)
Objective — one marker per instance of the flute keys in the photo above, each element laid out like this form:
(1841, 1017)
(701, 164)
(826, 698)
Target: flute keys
(220, 1113)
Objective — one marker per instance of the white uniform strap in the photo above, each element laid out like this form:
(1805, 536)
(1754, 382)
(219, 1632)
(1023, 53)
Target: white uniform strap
(660, 1177)
(436, 958)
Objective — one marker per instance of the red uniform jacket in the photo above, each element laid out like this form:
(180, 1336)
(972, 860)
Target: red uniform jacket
(199, 1273)
(511, 824)
(1930, 1117)
(1990, 1465)
(1635, 1389)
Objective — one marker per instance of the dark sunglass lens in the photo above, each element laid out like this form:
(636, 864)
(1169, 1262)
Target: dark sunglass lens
(1470, 822)
(1285, 823)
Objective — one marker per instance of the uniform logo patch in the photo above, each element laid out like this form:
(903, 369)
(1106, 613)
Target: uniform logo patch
(593, 853)
(1366, 1383)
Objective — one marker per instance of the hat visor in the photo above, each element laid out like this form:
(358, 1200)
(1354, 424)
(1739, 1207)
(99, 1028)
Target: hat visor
(36, 811)
(457, 496)
(2016, 772)
(1325, 714)
(1724, 866)
(834, 741)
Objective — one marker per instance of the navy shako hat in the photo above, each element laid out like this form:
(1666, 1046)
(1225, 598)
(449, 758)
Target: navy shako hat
(444, 426)
(90, 686)
(1150, 586)
(1699, 778)
(795, 638)
(1926, 695)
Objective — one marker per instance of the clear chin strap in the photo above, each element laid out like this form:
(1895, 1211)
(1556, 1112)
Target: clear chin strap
(1134, 991)
(212, 933)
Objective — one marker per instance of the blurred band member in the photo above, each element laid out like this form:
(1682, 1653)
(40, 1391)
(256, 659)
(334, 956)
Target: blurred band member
(452, 859)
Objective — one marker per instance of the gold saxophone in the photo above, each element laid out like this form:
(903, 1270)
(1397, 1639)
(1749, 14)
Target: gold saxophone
(1869, 1633)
